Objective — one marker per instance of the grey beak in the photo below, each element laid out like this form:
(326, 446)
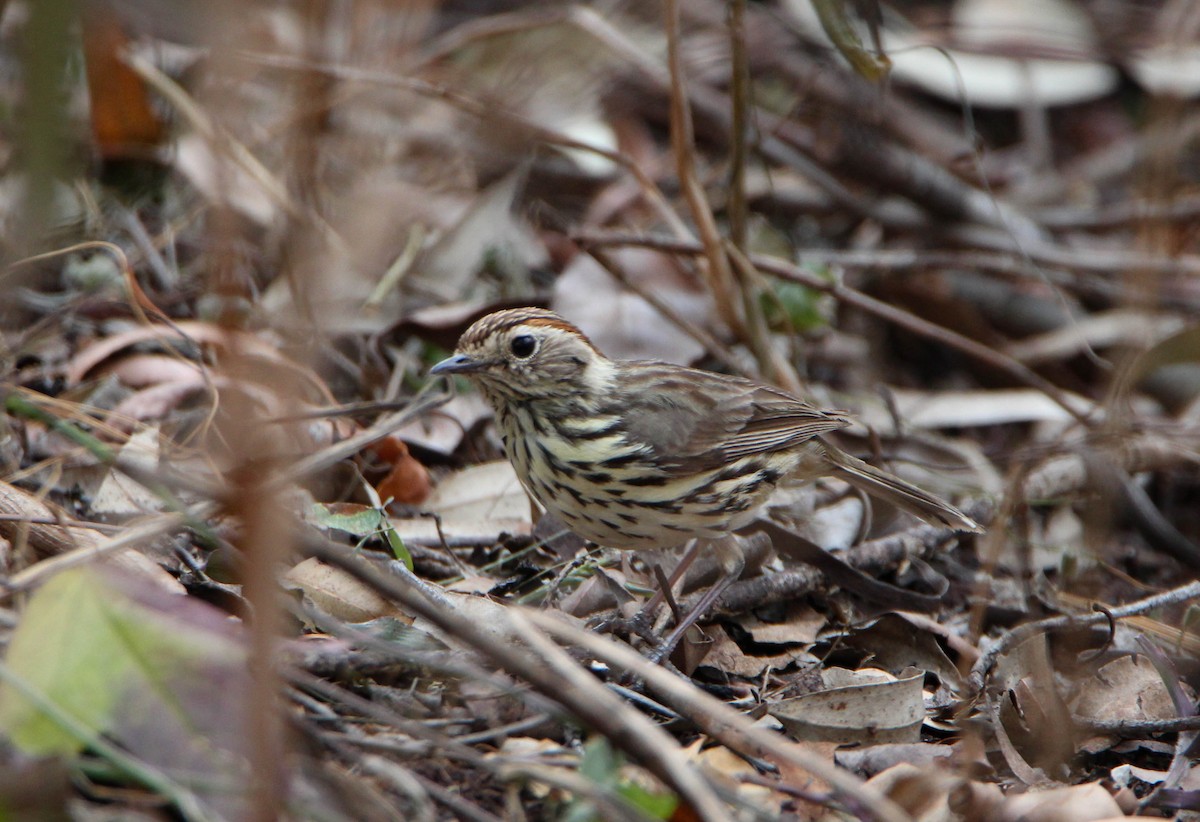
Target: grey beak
(458, 364)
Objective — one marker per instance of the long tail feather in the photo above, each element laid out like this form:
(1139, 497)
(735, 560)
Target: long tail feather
(904, 495)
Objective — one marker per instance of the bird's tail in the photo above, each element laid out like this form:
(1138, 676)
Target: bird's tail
(904, 495)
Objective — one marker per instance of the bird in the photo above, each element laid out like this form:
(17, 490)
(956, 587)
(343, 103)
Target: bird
(641, 454)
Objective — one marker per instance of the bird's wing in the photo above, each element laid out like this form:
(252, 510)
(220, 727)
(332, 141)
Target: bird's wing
(703, 420)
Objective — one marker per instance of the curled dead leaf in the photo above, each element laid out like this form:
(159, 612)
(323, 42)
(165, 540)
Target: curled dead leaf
(408, 480)
(338, 594)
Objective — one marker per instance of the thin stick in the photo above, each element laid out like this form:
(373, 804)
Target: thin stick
(719, 720)
(739, 96)
(596, 712)
(719, 275)
(163, 524)
(1016, 636)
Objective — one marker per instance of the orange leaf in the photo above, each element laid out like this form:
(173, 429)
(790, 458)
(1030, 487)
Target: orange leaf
(408, 481)
(123, 121)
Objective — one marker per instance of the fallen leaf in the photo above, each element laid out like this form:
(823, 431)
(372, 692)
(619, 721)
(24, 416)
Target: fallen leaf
(923, 793)
(442, 429)
(801, 625)
(868, 706)
(1128, 688)
(727, 656)
(1089, 802)
(408, 481)
(475, 506)
(337, 593)
(163, 676)
(124, 122)
(121, 496)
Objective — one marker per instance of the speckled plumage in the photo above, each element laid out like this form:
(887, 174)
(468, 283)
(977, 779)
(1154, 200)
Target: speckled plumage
(645, 454)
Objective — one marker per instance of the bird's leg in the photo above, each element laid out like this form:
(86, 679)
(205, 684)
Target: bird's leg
(645, 617)
(731, 560)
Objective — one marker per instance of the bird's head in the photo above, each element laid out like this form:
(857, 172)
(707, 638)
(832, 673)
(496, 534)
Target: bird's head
(528, 353)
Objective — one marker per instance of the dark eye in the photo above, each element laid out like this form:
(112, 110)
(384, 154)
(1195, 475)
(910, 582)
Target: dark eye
(523, 346)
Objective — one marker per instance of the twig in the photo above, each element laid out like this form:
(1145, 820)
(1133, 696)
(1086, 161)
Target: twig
(720, 277)
(445, 746)
(717, 719)
(1184, 706)
(333, 454)
(608, 803)
(870, 557)
(624, 725)
(455, 803)
(1001, 261)
(1062, 475)
(131, 536)
(1013, 638)
(1138, 728)
(588, 707)
(773, 363)
(739, 98)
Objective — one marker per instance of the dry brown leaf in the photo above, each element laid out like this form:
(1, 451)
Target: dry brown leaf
(124, 122)
(922, 792)
(604, 589)
(484, 612)
(442, 430)
(963, 409)
(476, 505)
(727, 656)
(154, 402)
(724, 766)
(876, 759)
(139, 370)
(258, 353)
(801, 624)
(408, 481)
(985, 72)
(1104, 329)
(225, 182)
(868, 706)
(338, 594)
(121, 496)
(472, 585)
(46, 540)
(894, 644)
(1089, 802)
(1128, 689)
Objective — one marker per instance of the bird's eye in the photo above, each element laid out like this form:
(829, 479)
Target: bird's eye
(523, 346)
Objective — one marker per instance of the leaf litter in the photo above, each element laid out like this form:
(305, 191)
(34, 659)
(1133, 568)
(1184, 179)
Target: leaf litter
(256, 563)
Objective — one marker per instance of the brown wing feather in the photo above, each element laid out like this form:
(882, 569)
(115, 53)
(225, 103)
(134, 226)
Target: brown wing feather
(723, 417)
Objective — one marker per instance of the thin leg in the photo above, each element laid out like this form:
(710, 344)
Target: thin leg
(732, 560)
(643, 620)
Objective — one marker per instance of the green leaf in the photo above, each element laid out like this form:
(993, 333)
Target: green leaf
(101, 657)
(794, 307)
(600, 763)
(655, 805)
(836, 20)
(399, 549)
(362, 521)
(63, 649)
(359, 520)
